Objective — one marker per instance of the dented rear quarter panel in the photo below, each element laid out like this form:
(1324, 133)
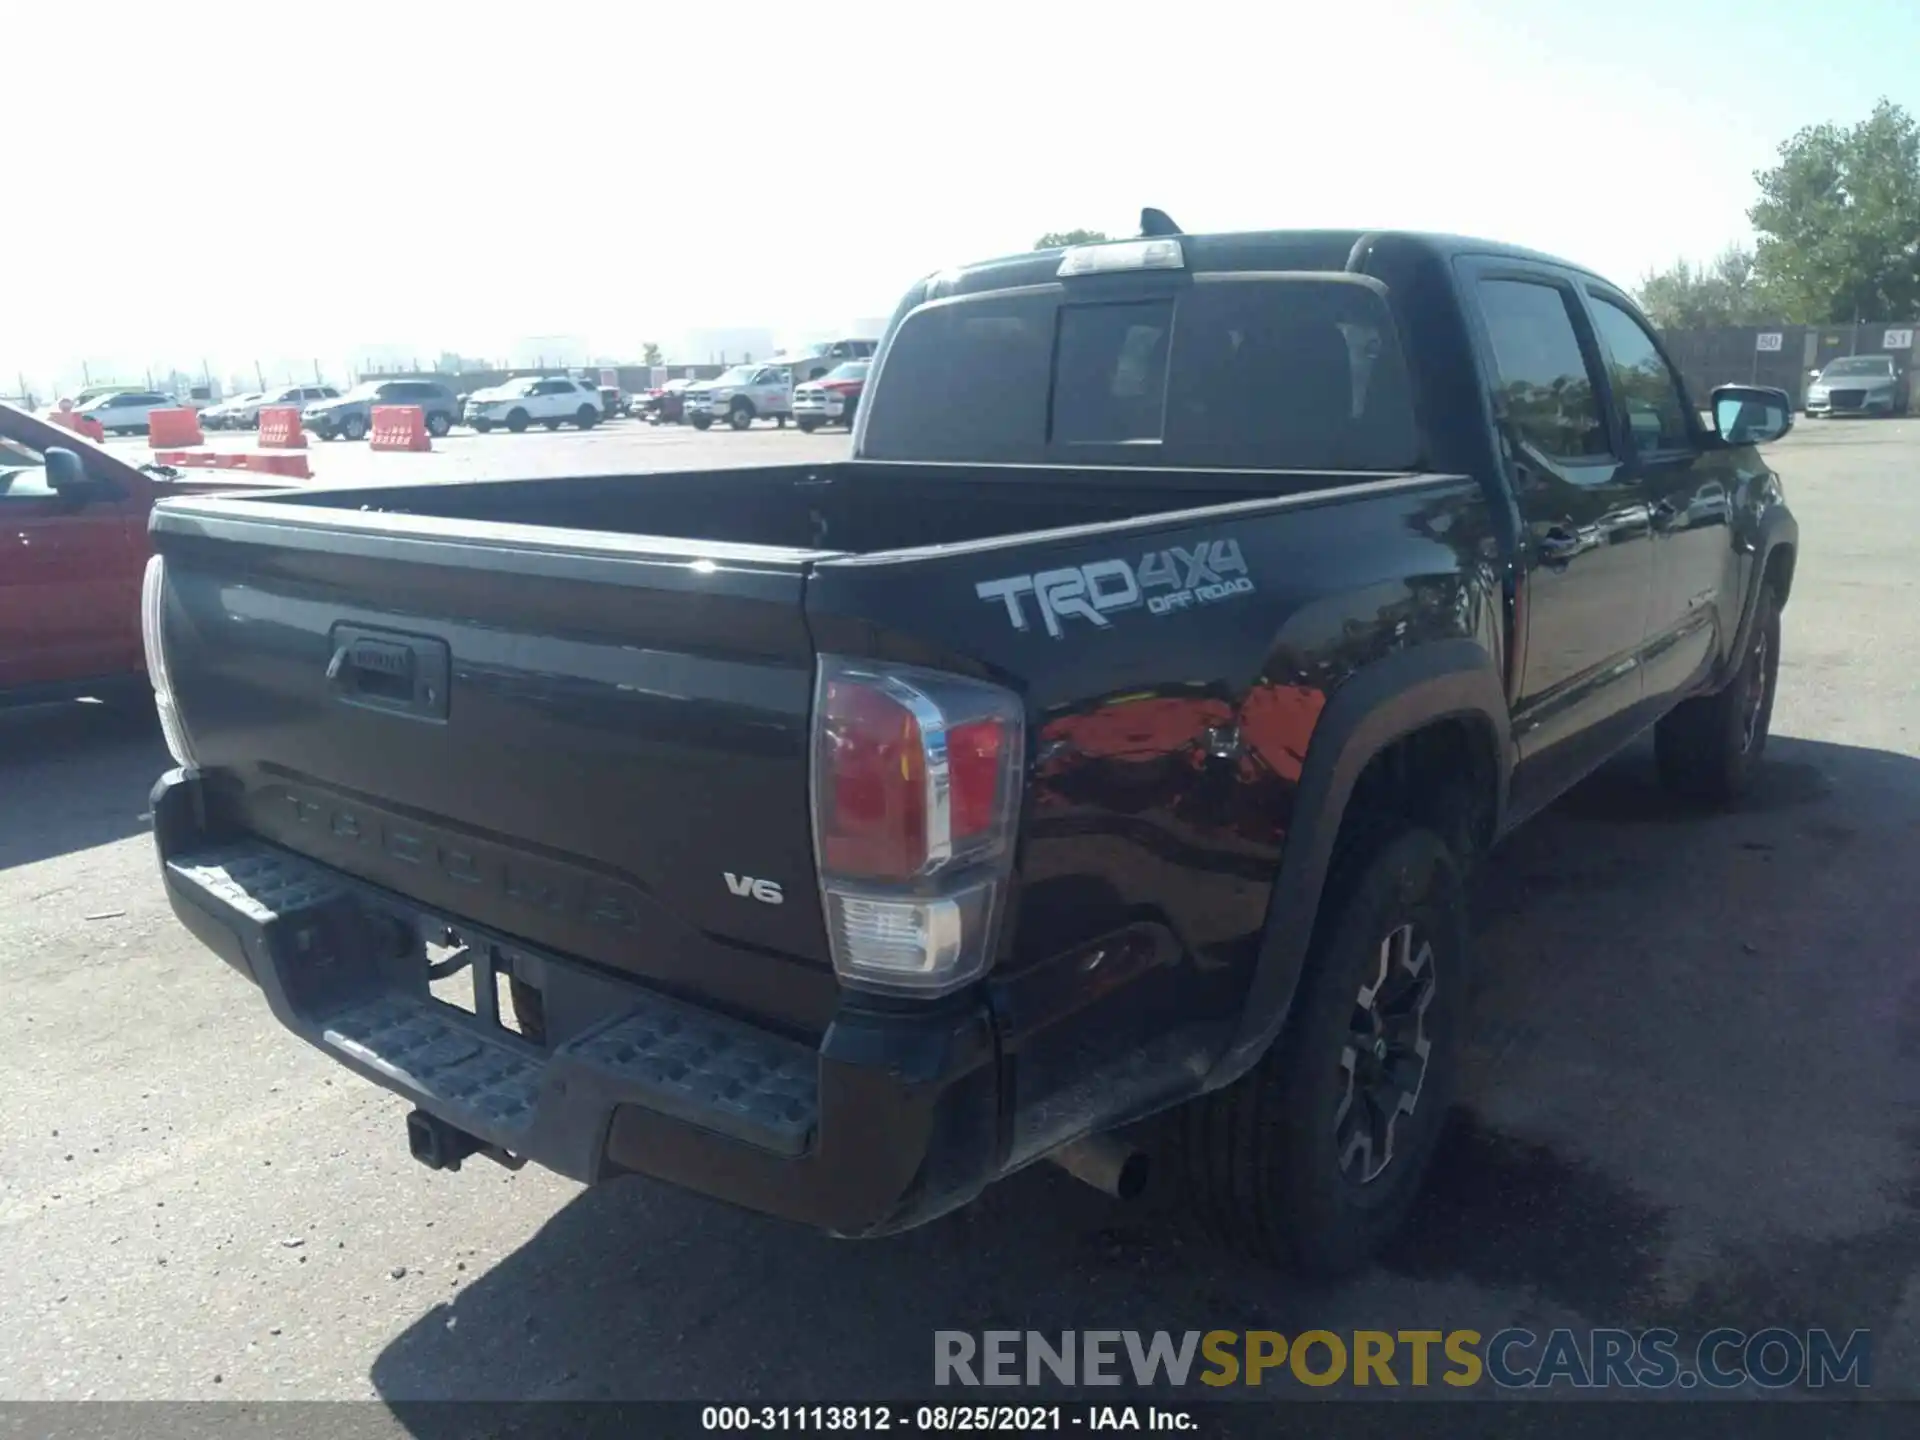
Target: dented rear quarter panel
(1166, 749)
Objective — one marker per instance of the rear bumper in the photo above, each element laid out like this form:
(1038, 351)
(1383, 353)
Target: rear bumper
(889, 1121)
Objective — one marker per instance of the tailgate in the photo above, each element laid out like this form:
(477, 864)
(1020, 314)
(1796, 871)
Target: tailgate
(593, 743)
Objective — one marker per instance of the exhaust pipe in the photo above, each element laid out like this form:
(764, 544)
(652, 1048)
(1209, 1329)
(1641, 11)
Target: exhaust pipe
(1113, 1166)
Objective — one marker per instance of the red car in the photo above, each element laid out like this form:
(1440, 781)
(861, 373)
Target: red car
(73, 551)
(833, 398)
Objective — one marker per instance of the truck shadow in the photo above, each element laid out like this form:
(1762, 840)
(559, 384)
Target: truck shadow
(1659, 987)
(73, 776)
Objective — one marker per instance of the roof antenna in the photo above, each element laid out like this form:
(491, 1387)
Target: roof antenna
(1157, 222)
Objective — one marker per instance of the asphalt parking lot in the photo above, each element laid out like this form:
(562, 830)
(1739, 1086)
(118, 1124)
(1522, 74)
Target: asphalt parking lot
(1692, 1100)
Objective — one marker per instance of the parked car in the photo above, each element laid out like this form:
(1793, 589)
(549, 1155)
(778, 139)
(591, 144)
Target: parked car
(124, 412)
(351, 415)
(740, 396)
(1111, 734)
(1859, 385)
(225, 414)
(812, 362)
(94, 392)
(667, 405)
(549, 400)
(245, 415)
(73, 548)
(832, 399)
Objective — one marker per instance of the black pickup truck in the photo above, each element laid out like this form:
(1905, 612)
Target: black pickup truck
(1110, 737)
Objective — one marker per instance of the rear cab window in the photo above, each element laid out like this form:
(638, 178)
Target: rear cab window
(1279, 370)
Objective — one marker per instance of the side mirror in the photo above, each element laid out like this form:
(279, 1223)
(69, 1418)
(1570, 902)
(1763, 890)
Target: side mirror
(67, 477)
(1751, 414)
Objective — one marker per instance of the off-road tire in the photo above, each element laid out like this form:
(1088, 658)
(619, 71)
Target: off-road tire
(1708, 748)
(1261, 1157)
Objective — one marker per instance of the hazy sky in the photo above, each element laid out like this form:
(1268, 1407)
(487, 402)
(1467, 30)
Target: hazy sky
(238, 179)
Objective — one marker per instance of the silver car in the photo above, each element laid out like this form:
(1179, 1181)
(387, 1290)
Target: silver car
(1859, 385)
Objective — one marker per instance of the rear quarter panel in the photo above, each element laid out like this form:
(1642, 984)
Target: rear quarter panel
(1167, 743)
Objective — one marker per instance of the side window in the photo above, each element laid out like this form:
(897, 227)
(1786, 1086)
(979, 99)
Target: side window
(1646, 389)
(1543, 385)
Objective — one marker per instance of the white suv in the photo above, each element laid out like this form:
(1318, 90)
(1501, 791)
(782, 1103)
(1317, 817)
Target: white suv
(549, 400)
(125, 412)
(245, 414)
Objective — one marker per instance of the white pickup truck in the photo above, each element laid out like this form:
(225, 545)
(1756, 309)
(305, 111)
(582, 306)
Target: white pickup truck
(742, 395)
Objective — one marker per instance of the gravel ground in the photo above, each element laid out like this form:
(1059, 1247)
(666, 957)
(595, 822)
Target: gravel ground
(1692, 1099)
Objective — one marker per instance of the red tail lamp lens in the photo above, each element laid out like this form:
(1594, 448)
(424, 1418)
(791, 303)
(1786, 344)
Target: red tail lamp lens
(876, 812)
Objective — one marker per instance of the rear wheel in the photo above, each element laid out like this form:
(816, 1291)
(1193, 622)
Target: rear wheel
(702, 422)
(1316, 1156)
(741, 415)
(585, 417)
(517, 420)
(482, 426)
(551, 424)
(1708, 748)
(354, 428)
(807, 427)
(439, 424)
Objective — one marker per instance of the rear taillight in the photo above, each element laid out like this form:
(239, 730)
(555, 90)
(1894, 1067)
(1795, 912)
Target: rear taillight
(916, 796)
(153, 614)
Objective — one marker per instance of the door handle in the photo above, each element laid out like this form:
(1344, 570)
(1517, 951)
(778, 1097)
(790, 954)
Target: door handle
(1559, 545)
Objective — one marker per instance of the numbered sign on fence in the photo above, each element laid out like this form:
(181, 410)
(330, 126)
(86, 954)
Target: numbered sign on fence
(1897, 340)
(1767, 340)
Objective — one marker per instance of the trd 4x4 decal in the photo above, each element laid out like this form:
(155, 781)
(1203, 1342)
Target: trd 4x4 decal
(1164, 581)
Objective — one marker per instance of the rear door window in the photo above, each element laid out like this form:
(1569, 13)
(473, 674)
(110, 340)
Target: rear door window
(1544, 390)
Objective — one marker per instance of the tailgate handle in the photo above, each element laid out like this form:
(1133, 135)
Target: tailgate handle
(384, 670)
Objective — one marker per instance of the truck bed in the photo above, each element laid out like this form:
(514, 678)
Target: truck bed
(846, 507)
(564, 710)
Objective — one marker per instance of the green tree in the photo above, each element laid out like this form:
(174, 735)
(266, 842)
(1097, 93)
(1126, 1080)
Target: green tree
(1838, 221)
(1689, 297)
(650, 353)
(1055, 239)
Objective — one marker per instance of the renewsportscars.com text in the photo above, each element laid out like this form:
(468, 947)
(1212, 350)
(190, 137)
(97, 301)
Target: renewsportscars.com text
(1722, 1359)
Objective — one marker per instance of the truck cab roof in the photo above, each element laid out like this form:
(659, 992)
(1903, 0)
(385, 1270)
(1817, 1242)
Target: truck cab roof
(1244, 250)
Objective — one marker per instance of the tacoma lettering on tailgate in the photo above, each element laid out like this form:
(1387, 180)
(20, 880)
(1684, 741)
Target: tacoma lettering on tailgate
(371, 844)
